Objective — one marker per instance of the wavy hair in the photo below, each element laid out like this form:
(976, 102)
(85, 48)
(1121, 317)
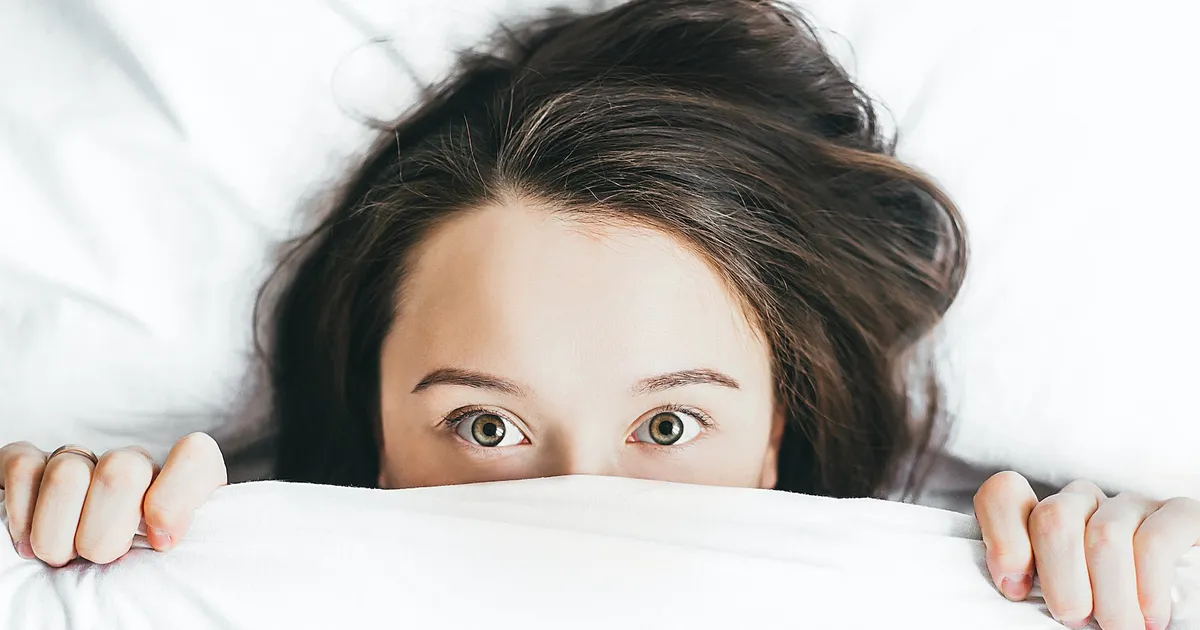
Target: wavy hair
(724, 123)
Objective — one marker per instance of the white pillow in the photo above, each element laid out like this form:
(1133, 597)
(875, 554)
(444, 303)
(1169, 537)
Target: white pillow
(152, 159)
(1067, 138)
(156, 151)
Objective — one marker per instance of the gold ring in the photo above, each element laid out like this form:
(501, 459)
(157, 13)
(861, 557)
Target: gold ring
(74, 450)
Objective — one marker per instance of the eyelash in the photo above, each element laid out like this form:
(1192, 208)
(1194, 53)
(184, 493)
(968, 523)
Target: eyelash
(704, 419)
(458, 415)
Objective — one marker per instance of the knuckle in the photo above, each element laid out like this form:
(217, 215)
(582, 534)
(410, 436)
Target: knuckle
(1008, 480)
(1051, 517)
(100, 551)
(1080, 484)
(1148, 547)
(1185, 505)
(1133, 501)
(123, 469)
(1008, 561)
(156, 512)
(53, 555)
(1072, 612)
(197, 444)
(1149, 601)
(1001, 483)
(1084, 488)
(23, 467)
(70, 472)
(1069, 608)
(1106, 533)
(201, 453)
(1114, 619)
(1108, 621)
(19, 447)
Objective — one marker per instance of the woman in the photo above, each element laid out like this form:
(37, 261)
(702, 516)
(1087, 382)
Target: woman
(665, 241)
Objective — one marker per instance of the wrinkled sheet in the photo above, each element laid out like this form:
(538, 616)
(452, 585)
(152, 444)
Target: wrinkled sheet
(577, 552)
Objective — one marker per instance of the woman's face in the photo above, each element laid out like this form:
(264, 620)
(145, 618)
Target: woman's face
(526, 345)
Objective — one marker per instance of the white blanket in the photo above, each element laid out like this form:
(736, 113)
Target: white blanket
(565, 552)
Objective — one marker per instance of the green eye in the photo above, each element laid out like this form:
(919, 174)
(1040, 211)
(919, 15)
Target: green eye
(666, 428)
(670, 427)
(486, 428)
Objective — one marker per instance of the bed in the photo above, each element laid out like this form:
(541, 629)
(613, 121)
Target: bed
(153, 154)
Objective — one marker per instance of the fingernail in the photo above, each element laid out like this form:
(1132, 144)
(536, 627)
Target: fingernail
(1156, 624)
(1015, 586)
(1077, 625)
(159, 539)
(25, 550)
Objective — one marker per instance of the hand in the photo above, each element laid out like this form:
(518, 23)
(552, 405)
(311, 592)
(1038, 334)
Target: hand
(1109, 558)
(65, 507)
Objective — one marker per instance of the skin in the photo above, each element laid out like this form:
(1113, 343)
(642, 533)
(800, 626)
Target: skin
(577, 318)
(554, 328)
(68, 507)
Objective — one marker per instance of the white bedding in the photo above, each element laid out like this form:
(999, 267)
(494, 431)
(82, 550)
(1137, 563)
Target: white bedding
(152, 153)
(564, 552)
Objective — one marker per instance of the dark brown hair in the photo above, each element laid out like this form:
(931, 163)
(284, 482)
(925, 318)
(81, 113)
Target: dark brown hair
(721, 122)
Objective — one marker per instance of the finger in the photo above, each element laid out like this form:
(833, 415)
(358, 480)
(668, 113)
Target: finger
(21, 465)
(1085, 488)
(1003, 505)
(193, 470)
(1108, 546)
(1158, 544)
(113, 507)
(1056, 528)
(60, 499)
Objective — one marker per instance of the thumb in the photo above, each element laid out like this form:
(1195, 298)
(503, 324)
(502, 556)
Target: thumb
(1003, 505)
(193, 471)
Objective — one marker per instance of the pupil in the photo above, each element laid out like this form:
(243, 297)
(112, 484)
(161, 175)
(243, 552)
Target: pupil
(666, 429)
(488, 430)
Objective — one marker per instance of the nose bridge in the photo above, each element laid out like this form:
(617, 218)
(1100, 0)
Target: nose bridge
(576, 451)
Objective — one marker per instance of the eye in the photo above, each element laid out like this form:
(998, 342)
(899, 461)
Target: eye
(669, 427)
(487, 428)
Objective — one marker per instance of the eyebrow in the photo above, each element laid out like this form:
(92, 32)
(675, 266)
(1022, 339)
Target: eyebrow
(468, 378)
(651, 385)
(670, 380)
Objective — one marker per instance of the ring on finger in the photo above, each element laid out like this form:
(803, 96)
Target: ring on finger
(74, 450)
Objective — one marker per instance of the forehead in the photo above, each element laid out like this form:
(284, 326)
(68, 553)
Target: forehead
(514, 286)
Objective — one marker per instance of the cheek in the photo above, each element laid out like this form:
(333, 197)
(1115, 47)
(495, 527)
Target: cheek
(722, 471)
(729, 458)
(413, 460)
(418, 457)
